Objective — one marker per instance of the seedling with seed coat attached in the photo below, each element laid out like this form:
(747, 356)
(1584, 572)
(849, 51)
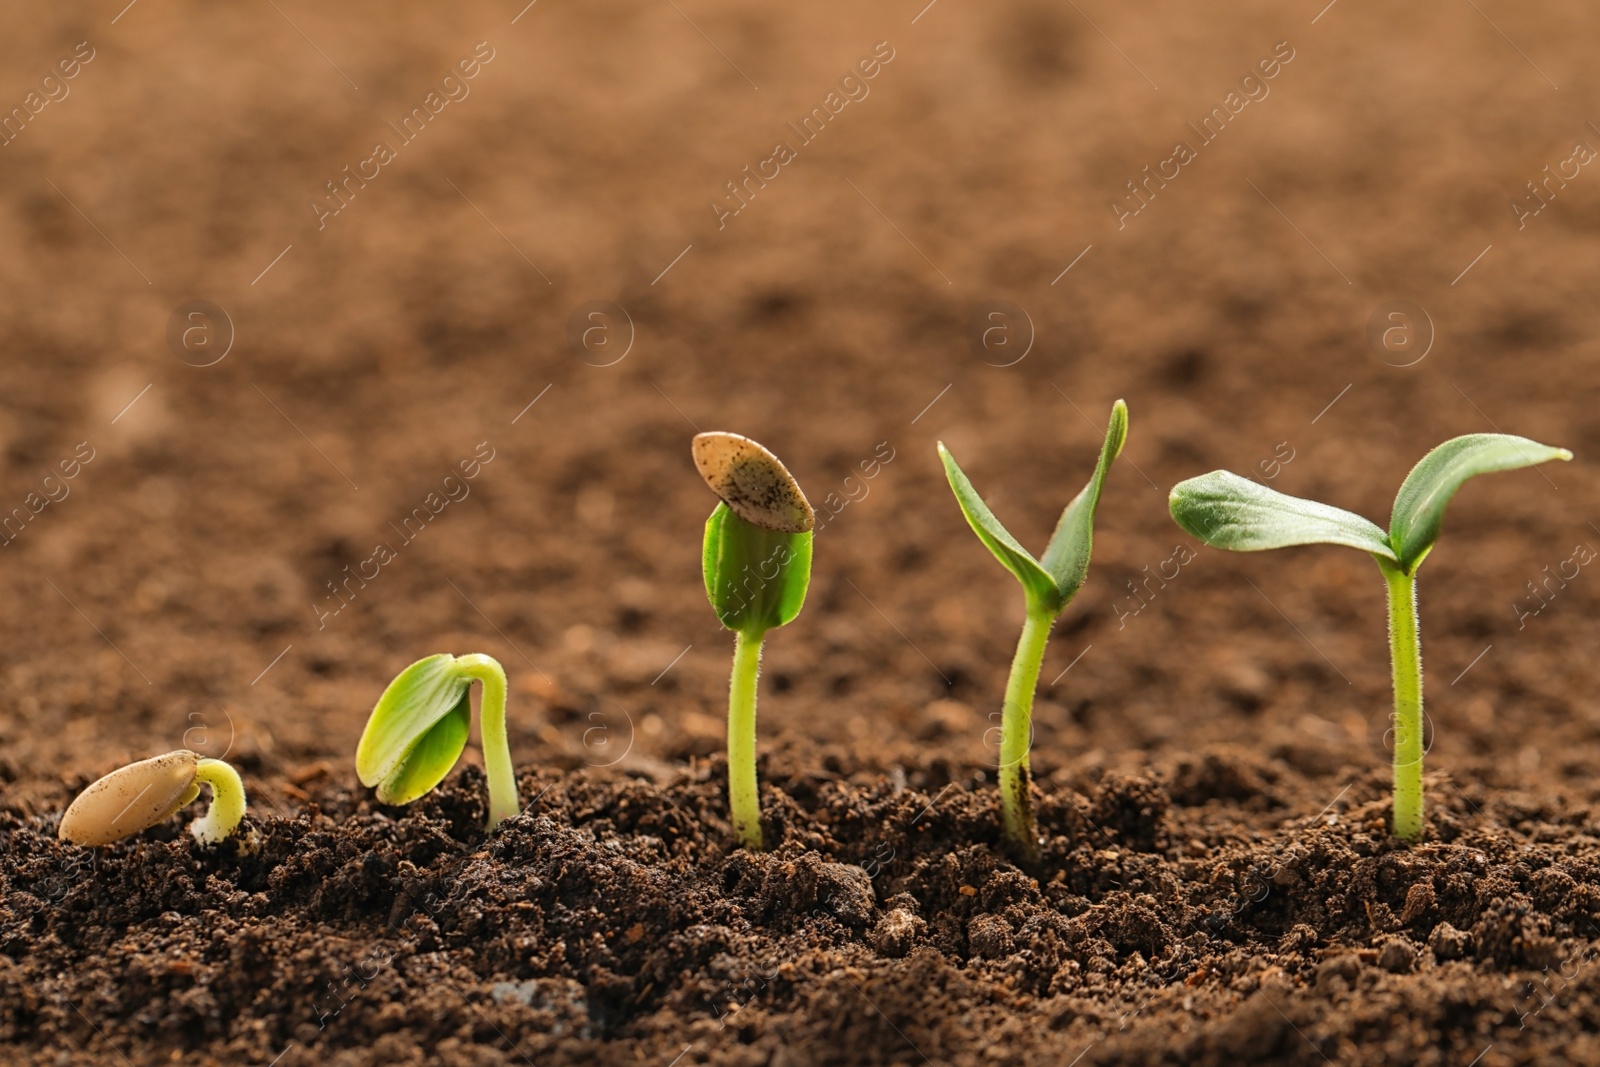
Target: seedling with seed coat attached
(419, 729)
(1227, 511)
(140, 795)
(1048, 585)
(757, 564)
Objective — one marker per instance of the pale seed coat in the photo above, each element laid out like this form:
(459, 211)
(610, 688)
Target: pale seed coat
(131, 798)
(754, 484)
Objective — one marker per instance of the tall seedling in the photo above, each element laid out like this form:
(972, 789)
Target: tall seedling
(1048, 585)
(1227, 511)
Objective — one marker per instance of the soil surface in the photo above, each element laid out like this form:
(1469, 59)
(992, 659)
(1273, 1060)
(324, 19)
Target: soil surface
(473, 276)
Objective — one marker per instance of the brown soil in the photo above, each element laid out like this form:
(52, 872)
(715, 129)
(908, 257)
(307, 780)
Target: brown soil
(1218, 886)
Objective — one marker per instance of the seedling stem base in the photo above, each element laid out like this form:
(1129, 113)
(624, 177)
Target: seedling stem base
(1016, 732)
(1405, 651)
(503, 802)
(744, 798)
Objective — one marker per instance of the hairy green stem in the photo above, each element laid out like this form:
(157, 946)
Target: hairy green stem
(227, 801)
(1016, 734)
(503, 801)
(1405, 651)
(744, 798)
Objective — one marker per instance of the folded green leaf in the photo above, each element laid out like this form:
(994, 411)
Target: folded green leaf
(412, 705)
(430, 757)
(756, 578)
(1036, 582)
(1419, 506)
(1227, 511)
(1066, 557)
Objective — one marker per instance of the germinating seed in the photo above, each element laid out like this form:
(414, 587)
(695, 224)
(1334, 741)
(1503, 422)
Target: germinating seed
(130, 799)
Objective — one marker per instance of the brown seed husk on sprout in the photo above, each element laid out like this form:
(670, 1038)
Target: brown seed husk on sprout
(753, 482)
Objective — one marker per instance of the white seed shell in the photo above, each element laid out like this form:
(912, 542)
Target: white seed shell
(130, 799)
(752, 482)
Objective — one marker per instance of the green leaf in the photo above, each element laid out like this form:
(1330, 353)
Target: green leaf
(756, 578)
(1419, 506)
(1037, 584)
(413, 704)
(430, 758)
(1227, 511)
(1066, 557)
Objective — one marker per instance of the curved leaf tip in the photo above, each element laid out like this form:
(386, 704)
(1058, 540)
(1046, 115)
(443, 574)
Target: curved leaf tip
(1117, 429)
(1066, 557)
(1051, 581)
(1420, 504)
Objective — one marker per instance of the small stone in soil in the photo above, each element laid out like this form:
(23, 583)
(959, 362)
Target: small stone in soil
(1448, 943)
(1338, 970)
(848, 891)
(896, 932)
(989, 937)
(1397, 956)
(1419, 901)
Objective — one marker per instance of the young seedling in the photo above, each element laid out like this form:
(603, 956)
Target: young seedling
(1227, 511)
(1048, 586)
(757, 565)
(140, 795)
(419, 729)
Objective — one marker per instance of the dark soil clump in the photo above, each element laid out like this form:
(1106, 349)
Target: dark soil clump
(610, 922)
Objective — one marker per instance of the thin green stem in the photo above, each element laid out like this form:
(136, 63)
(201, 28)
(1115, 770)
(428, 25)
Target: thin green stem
(744, 798)
(227, 801)
(1016, 734)
(1405, 651)
(503, 801)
